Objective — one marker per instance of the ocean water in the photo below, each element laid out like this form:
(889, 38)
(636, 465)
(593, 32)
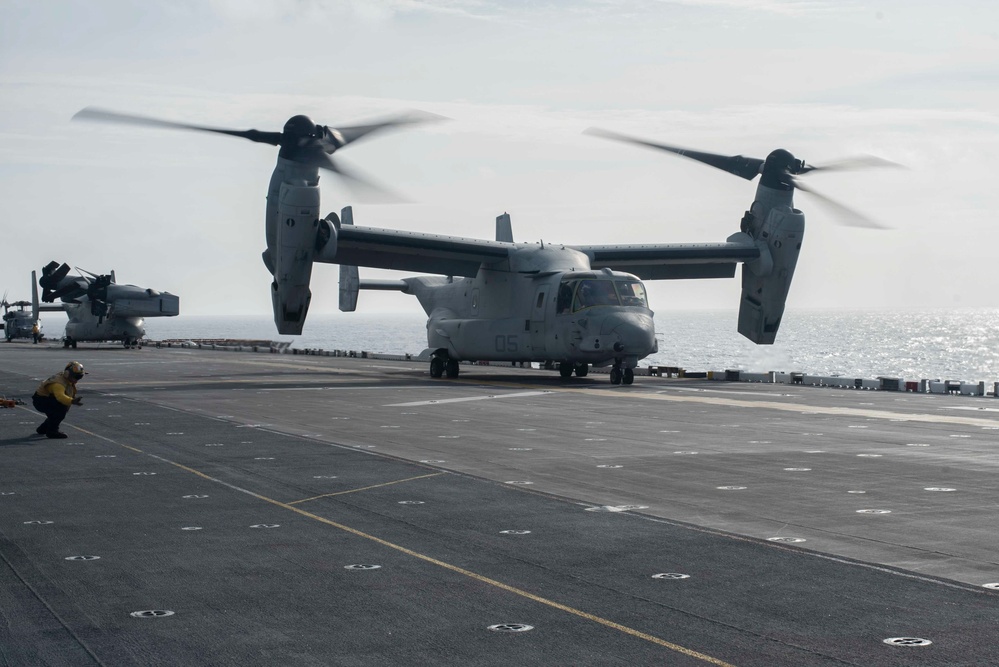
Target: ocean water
(933, 344)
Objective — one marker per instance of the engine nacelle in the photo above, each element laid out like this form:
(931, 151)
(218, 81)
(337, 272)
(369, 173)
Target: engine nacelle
(766, 281)
(290, 259)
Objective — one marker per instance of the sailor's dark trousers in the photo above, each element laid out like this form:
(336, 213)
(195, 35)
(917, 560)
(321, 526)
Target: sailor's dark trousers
(53, 410)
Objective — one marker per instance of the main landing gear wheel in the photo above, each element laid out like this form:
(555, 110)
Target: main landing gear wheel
(582, 370)
(442, 365)
(615, 375)
(565, 369)
(629, 376)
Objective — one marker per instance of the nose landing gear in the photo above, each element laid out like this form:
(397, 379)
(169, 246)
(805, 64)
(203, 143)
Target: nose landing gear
(620, 375)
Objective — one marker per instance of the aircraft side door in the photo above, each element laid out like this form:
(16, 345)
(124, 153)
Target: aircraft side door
(537, 323)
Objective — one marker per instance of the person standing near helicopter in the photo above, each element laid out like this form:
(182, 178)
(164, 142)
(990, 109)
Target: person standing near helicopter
(54, 397)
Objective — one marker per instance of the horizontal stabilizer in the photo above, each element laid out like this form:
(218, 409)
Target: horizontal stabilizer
(385, 285)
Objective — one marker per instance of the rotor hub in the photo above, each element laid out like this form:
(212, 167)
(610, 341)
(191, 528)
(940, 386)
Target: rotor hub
(778, 169)
(300, 127)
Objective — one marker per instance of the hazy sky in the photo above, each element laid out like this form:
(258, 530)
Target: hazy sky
(912, 81)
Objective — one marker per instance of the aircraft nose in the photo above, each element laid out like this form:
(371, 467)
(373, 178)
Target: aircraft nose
(635, 333)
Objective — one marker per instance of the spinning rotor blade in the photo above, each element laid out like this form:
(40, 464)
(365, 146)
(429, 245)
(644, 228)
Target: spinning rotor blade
(853, 163)
(744, 167)
(298, 131)
(102, 115)
(844, 214)
(301, 141)
(748, 167)
(362, 186)
(348, 135)
(780, 170)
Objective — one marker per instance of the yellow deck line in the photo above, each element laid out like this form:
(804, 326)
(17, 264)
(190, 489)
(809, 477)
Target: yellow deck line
(439, 563)
(364, 488)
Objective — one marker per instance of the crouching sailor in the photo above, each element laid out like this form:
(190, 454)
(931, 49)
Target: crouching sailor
(54, 396)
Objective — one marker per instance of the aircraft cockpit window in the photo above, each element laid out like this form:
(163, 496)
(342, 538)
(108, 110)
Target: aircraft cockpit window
(595, 293)
(632, 293)
(586, 293)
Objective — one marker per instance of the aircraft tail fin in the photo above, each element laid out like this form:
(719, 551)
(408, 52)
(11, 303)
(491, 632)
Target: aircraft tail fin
(349, 279)
(349, 286)
(504, 228)
(34, 296)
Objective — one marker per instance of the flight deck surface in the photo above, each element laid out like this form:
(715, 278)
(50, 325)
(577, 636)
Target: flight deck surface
(238, 504)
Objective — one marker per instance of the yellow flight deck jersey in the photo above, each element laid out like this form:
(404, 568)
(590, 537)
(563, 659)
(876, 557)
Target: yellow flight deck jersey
(59, 387)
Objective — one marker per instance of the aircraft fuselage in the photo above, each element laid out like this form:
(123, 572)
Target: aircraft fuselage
(125, 315)
(82, 326)
(565, 314)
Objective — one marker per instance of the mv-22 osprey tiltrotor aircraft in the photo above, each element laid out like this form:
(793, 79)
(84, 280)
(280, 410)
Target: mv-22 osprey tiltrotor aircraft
(579, 305)
(98, 308)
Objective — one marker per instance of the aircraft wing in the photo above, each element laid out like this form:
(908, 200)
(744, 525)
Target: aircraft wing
(413, 251)
(673, 261)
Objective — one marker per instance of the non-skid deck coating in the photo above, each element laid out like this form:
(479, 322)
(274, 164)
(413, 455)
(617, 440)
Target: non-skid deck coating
(235, 490)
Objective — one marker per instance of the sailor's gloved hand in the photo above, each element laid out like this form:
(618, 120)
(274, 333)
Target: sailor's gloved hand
(77, 401)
